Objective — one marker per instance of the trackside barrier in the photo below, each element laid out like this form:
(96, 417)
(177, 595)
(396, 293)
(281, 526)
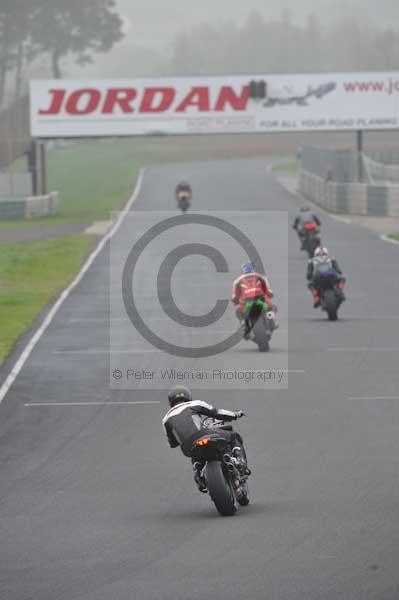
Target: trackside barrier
(350, 198)
(29, 207)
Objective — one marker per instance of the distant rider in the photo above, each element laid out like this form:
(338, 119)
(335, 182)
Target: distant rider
(184, 424)
(316, 265)
(306, 217)
(247, 288)
(183, 187)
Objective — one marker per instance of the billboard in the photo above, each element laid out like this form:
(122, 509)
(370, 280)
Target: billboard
(231, 104)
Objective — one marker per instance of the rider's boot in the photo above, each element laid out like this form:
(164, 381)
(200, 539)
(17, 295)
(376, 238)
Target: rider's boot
(239, 314)
(198, 477)
(246, 329)
(340, 290)
(316, 298)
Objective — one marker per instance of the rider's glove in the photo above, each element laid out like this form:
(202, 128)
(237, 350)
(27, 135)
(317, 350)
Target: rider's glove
(239, 413)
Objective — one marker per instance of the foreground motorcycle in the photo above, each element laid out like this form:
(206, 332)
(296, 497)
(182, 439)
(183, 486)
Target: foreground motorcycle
(224, 472)
(183, 200)
(261, 322)
(330, 288)
(311, 239)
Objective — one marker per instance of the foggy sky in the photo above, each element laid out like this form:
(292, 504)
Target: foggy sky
(154, 22)
(151, 25)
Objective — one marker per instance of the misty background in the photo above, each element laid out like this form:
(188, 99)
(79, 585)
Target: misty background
(125, 38)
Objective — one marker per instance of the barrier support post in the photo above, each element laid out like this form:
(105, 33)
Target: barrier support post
(359, 140)
(32, 165)
(43, 168)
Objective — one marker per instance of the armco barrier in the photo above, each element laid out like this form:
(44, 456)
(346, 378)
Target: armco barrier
(29, 207)
(350, 198)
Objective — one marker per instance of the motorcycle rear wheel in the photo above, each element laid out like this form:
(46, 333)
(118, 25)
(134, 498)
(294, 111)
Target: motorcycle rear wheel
(219, 489)
(330, 303)
(262, 335)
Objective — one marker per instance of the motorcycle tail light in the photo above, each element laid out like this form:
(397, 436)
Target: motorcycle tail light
(203, 441)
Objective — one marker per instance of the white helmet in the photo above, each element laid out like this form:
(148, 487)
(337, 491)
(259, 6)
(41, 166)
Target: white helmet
(321, 251)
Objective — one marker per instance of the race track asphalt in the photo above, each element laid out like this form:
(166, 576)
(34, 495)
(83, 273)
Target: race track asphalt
(93, 504)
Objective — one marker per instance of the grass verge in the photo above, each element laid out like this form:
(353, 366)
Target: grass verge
(394, 236)
(31, 275)
(93, 178)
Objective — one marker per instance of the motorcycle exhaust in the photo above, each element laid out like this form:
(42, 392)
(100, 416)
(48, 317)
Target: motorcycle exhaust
(271, 320)
(229, 463)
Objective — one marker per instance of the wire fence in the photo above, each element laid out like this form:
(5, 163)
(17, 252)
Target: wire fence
(330, 165)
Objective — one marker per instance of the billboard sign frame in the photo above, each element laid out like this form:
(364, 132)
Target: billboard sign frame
(218, 104)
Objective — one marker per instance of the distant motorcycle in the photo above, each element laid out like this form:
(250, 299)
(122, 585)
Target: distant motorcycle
(261, 322)
(311, 238)
(330, 288)
(224, 472)
(183, 200)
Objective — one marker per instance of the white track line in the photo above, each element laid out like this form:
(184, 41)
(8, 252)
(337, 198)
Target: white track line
(107, 351)
(271, 370)
(108, 320)
(40, 404)
(385, 238)
(64, 295)
(365, 349)
(373, 397)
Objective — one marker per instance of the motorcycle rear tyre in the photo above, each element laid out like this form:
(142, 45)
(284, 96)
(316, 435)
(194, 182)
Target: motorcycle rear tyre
(219, 489)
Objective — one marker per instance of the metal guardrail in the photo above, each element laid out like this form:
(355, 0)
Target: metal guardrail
(29, 207)
(354, 198)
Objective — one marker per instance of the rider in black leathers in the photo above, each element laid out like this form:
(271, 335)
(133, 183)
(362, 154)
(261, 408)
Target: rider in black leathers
(184, 423)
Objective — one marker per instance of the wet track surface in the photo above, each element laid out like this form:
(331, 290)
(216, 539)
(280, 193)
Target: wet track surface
(94, 506)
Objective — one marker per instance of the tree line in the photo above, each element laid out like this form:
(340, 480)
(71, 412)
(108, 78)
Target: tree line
(282, 46)
(31, 29)
(54, 30)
